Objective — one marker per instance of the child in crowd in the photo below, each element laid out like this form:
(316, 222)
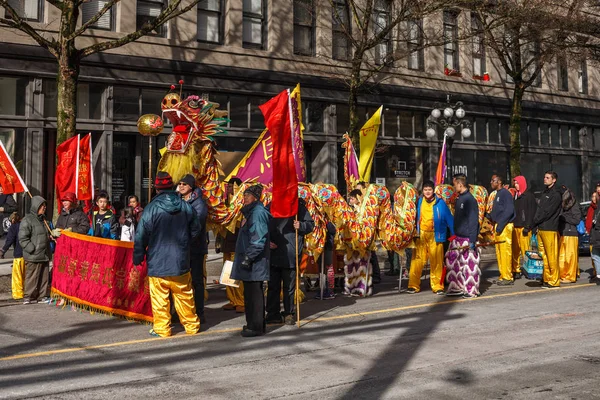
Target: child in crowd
(18, 269)
(128, 224)
(104, 223)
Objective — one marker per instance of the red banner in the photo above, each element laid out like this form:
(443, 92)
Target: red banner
(285, 181)
(99, 275)
(10, 179)
(66, 165)
(85, 177)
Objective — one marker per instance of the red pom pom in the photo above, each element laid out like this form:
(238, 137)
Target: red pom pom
(181, 82)
(172, 86)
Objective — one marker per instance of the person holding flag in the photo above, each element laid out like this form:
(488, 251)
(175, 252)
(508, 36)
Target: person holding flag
(8, 205)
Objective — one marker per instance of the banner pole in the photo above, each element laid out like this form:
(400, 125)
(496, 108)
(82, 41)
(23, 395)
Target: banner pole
(297, 280)
(149, 169)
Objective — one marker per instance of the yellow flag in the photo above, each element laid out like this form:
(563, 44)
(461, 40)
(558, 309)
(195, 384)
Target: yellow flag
(368, 138)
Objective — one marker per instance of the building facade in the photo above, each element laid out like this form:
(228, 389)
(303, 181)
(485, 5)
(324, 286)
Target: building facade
(240, 53)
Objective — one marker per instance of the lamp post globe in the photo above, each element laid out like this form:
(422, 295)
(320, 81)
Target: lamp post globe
(450, 132)
(435, 113)
(460, 113)
(430, 133)
(466, 133)
(448, 112)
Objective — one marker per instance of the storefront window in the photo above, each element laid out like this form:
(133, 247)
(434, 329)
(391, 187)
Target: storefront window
(406, 124)
(126, 103)
(568, 169)
(533, 167)
(342, 118)
(575, 137)
(533, 134)
(13, 140)
(524, 141)
(395, 164)
(479, 129)
(544, 134)
(257, 119)
(505, 132)
(390, 123)
(313, 115)
(565, 137)
(462, 162)
(555, 137)
(12, 101)
(50, 97)
(89, 100)
(238, 112)
(419, 124)
(490, 163)
(151, 100)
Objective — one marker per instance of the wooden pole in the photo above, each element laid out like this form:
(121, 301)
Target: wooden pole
(323, 278)
(297, 280)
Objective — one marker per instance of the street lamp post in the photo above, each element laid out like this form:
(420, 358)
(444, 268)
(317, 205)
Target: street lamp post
(450, 117)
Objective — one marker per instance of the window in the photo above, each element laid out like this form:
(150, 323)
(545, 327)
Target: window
(342, 117)
(30, 10)
(534, 134)
(257, 119)
(304, 27)
(531, 54)
(544, 134)
(12, 101)
(451, 40)
(253, 34)
(563, 74)
(50, 92)
(390, 123)
(565, 137)
(210, 21)
(479, 130)
(415, 45)
(582, 78)
(89, 100)
(147, 11)
(381, 20)
(479, 67)
(555, 136)
(406, 124)
(126, 103)
(341, 30)
(238, 111)
(151, 100)
(314, 112)
(90, 8)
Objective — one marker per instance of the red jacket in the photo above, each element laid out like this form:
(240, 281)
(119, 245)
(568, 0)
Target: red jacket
(590, 217)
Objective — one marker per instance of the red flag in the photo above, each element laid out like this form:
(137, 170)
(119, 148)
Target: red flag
(66, 169)
(85, 176)
(10, 179)
(285, 181)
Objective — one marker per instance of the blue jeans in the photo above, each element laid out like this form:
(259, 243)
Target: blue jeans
(596, 258)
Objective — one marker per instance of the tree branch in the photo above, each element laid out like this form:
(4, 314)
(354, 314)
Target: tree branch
(19, 23)
(166, 15)
(93, 20)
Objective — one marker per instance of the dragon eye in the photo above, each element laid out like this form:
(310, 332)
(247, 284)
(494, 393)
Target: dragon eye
(194, 104)
(173, 101)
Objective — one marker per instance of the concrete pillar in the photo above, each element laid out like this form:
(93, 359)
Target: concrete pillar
(234, 21)
(280, 27)
(323, 26)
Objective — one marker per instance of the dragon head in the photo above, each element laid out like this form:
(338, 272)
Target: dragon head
(192, 118)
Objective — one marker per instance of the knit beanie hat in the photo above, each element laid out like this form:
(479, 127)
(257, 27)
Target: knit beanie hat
(189, 180)
(163, 181)
(69, 196)
(255, 191)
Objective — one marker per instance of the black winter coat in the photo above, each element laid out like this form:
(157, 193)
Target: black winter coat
(200, 244)
(7, 201)
(12, 238)
(164, 234)
(283, 235)
(568, 221)
(595, 231)
(252, 246)
(525, 209)
(74, 219)
(549, 209)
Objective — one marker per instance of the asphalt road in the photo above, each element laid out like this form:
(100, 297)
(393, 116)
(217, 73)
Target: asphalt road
(512, 343)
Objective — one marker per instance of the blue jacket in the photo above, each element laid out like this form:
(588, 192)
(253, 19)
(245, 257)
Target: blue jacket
(253, 245)
(466, 217)
(442, 219)
(108, 229)
(12, 238)
(199, 244)
(164, 234)
(503, 210)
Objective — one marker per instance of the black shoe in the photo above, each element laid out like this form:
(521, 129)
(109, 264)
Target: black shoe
(251, 333)
(502, 282)
(274, 320)
(517, 275)
(202, 319)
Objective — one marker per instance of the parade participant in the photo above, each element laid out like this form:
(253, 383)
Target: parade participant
(354, 198)
(72, 218)
(595, 243)
(568, 247)
(199, 246)
(18, 268)
(226, 245)
(503, 215)
(590, 212)
(462, 259)
(251, 261)
(433, 221)
(8, 205)
(163, 238)
(326, 259)
(525, 208)
(376, 276)
(283, 263)
(134, 202)
(34, 238)
(104, 223)
(128, 225)
(546, 222)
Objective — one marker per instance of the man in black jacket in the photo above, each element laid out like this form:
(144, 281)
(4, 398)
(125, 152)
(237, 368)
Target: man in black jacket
(568, 245)
(525, 209)
(283, 263)
(503, 214)
(71, 217)
(546, 222)
(7, 207)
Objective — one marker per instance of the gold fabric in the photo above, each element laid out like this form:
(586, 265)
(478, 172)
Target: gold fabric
(234, 295)
(520, 244)
(427, 249)
(568, 258)
(504, 252)
(548, 247)
(426, 214)
(183, 296)
(18, 276)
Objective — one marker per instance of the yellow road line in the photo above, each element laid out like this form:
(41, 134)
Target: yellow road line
(338, 317)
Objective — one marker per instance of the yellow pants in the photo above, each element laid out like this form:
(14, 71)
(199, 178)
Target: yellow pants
(520, 244)
(504, 252)
(183, 296)
(427, 248)
(18, 276)
(234, 295)
(568, 259)
(548, 247)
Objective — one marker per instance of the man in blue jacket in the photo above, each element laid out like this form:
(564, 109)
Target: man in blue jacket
(503, 215)
(163, 236)
(252, 260)
(433, 221)
(199, 246)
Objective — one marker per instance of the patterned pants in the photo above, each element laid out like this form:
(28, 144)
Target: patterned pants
(463, 273)
(359, 274)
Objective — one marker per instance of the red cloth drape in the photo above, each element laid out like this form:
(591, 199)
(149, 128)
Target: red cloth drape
(285, 181)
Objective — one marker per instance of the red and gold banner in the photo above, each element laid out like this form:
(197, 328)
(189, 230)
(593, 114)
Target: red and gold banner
(85, 176)
(74, 169)
(10, 179)
(99, 274)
